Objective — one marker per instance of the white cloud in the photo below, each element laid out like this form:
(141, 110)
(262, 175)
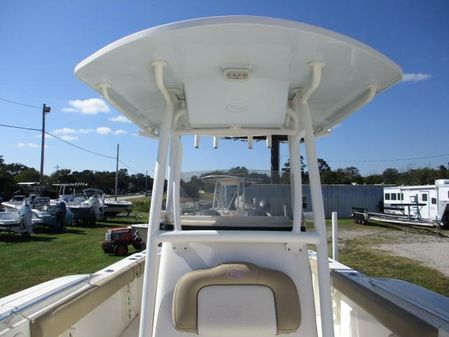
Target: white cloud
(85, 131)
(135, 134)
(69, 110)
(90, 106)
(64, 131)
(119, 119)
(31, 145)
(69, 134)
(47, 136)
(103, 130)
(119, 132)
(415, 77)
(68, 138)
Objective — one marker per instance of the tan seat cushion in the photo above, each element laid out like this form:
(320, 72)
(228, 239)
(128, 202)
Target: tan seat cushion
(286, 299)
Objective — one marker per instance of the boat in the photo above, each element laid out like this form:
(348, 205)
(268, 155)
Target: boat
(17, 220)
(15, 202)
(111, 206)
(229, 197)
(232, 76)
(84, 210)
(44, 212)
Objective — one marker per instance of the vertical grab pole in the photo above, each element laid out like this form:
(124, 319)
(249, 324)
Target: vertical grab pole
(335, 236)
(296, 181)
(149, 276)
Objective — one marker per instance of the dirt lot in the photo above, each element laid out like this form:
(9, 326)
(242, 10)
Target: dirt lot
(421, 244)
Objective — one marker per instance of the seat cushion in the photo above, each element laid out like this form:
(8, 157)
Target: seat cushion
(227, 276)
(238, 310)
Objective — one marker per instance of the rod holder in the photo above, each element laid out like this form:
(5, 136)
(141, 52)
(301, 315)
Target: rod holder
(215, 142)
(250, 142)
(269, 141)
(196, 141)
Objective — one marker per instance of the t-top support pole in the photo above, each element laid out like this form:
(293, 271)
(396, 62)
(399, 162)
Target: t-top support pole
(301, 106)
(149, 276)
(176, 181)
(296, 181)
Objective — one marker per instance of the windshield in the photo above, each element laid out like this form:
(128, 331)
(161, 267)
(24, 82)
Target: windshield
(236, 192)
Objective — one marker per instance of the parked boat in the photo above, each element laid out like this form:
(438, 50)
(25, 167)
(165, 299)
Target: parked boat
(17, 220)
(85, 210)
(112, 206)
(44, 212)
(238, 77)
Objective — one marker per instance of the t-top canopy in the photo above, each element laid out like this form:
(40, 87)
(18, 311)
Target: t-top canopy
(237, 72)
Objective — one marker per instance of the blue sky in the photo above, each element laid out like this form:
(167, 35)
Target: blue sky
(42, 41)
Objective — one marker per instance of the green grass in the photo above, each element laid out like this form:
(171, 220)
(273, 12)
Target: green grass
(374, 263)
(25, 262)
(359, 254)
(45, 256)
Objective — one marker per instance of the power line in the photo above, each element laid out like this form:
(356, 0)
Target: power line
(130, 168)
(388, 160)
(19, 103)
(380, 160)
(79, 147)
(69, 143)
(19, 127)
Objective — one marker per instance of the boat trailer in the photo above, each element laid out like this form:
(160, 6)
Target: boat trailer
(363, 216)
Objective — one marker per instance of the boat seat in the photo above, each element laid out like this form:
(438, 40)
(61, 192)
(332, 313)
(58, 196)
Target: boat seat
(236, 299)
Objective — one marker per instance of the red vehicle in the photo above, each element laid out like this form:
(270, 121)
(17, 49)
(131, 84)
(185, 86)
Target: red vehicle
(117, 241)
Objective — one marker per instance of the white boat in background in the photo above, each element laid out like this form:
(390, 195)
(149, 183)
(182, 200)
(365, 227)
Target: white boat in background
(85, 210)
(236, 77)
(18, 220)
(111, 206)
(44, 212)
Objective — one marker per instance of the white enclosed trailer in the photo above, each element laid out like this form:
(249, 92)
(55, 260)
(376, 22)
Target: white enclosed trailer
(426, 202)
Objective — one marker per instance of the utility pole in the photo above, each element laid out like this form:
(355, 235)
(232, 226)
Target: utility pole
(45, 110)
(275, 142)
(116, 171)
(146, 181)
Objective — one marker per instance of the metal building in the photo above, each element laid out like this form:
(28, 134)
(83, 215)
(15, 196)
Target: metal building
(339, 198)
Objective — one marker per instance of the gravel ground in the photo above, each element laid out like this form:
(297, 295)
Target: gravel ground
(432, 251)
(422, 245)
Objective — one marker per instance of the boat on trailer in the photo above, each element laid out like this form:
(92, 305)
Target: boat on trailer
(235, 77)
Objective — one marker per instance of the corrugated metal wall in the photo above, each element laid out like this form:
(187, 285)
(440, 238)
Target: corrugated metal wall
(340, 198)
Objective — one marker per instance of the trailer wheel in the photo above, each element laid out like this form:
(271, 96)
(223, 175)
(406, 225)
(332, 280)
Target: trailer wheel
(362, 220)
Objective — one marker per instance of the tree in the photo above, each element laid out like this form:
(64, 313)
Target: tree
(390, 176)
(29, 174)
(15, 168)
(62, 176)
(7, 183)
(285, 177)
(191, 188)
(373, 179)
(323, 166)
